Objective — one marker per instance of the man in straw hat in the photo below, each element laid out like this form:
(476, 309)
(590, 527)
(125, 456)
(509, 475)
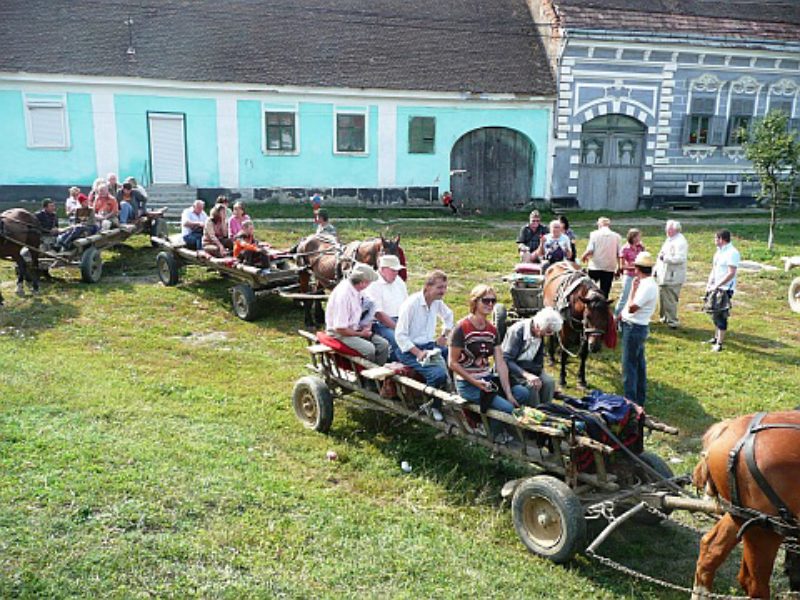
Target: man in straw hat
(635, 328)
(388, 293)
(343, 315)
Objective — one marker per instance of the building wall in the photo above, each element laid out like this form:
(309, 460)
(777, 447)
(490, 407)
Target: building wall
(21, 165)
(200, 116)
(654, 83)
(225, 136)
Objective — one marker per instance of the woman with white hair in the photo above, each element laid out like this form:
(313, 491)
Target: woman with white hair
(523, 351)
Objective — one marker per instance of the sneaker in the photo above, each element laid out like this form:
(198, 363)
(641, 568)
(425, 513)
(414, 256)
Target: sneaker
(716, 348)
(503, 438)
(436, 414)
(713, 340)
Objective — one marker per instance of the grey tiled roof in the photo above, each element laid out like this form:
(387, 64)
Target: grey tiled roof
(436, 45)
(731, 19)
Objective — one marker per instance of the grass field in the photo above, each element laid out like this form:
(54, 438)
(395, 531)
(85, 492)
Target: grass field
(148, 446)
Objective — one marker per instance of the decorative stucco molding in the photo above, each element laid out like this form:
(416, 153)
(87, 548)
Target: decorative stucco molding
(735, 153)
(707, 82)
(745, 85)
(784, 87)
(699, 152)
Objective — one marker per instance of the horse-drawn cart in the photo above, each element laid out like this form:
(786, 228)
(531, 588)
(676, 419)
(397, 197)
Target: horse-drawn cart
(85, 252)
(549, 509)
(253, 283)
(525, 285)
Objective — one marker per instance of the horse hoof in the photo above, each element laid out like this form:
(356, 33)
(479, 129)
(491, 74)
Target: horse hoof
(699, 592)
(21, 292)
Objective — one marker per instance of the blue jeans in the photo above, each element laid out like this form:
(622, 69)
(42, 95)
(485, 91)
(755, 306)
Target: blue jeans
(634, 365)
(627, 283)
(194, 240)
(472, 394)
(387, 333)
(434, 374)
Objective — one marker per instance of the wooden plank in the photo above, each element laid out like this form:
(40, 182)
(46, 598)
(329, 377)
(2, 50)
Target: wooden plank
(377, 373)
(319, 349)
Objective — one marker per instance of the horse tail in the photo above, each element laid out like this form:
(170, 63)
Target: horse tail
(701, 476)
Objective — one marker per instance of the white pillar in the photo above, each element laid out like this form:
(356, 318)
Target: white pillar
(227, 142)
(387, 144)
(104, 121)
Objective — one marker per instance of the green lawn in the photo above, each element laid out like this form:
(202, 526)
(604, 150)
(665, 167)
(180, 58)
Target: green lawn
(148, 446)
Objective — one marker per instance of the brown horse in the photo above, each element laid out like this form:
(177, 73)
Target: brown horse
(20, 229)
(327, 262)
(586, 313)
(772, 447)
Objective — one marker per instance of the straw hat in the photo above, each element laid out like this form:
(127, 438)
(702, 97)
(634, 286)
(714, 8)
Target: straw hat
(644, 259)
(363, 272)
(390, 261)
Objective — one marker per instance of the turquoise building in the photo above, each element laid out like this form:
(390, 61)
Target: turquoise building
(420, 108)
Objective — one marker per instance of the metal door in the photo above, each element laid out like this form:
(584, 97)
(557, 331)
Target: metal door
(611, 163)
(492, 168)
(167, 147)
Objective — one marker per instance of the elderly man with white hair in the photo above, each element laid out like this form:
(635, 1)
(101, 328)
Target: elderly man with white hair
(523, 351)
(388, 293)
(671, 273)
(344, 315)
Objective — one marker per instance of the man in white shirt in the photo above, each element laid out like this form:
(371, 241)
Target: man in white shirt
(603, 254)
(415, 333)
(388, 293)
(722, 280)
(635, 328)
(193, 219)
(671, 273)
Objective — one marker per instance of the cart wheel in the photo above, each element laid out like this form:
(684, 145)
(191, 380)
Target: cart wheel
(313, 403)
(159, 229)
(91, 265)
(244, 302)
(168, 270)
(500, 315)
(549, 518)
(794, 295)
(659, 465)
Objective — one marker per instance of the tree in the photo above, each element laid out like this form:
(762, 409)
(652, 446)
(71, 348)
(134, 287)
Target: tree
(774, 151)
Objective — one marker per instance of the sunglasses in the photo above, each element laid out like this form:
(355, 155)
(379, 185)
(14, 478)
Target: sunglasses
(489, 300)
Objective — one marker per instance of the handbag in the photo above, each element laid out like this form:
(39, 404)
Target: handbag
(717, 301)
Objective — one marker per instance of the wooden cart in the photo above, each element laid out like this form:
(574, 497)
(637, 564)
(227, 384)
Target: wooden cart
(252, 284)
(549, 508)
(85, 253)
(526, 286)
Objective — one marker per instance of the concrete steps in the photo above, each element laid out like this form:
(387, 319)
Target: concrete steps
(174, 197)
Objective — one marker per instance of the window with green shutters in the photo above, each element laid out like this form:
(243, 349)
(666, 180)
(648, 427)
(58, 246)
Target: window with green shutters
(280, 131)
(421, 135)
(350, 132)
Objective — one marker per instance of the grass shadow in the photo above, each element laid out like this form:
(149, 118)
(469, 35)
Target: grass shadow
(35, 314)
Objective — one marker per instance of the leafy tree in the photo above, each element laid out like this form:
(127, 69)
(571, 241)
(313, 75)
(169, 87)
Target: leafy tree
(775, 154)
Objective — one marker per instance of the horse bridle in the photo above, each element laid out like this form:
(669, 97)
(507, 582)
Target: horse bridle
(566, 287)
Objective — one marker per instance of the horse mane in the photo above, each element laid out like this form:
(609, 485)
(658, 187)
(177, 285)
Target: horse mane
(701, 478)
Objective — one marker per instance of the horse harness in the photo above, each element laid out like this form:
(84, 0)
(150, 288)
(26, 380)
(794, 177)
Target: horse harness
(571, 279)
(787, 524)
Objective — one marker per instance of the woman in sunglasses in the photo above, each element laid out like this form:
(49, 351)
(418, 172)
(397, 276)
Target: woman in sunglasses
(472, 344)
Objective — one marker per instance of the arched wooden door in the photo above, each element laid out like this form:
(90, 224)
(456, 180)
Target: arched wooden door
(492, 167)
(612, 149)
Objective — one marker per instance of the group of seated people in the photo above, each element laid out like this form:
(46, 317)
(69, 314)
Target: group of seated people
(113, 204)
(221, 236)
(538, 245)
(372, 313)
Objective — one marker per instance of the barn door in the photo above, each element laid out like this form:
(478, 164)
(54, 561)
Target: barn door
(492, 168)
(167, 147)
(611, 163)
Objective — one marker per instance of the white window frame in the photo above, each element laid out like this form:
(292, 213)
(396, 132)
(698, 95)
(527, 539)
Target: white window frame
(288, 108)
(45, 101)
(350, 111)
(697, 194)
(737, 184)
